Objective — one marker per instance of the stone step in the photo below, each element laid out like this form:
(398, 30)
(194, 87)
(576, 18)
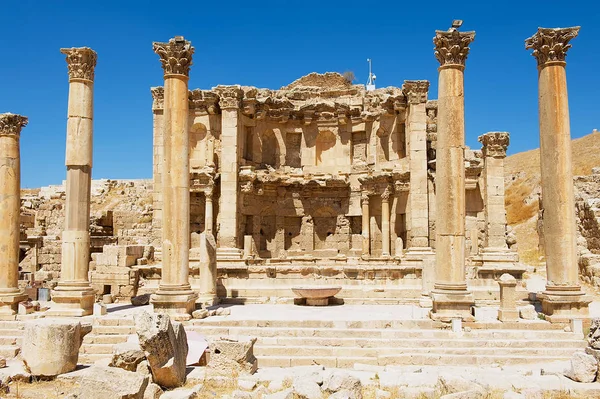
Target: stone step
(10, 325)
(105, 339)
(418, 343)
(388, 333)
(91, 358)
(403, 359)
(114, 321)
(97, 349)
(10, 340)
(9, 351)
(113, 330)
(347, 352)
(5, 332)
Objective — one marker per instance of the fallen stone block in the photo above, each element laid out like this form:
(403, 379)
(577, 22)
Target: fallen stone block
(584, 368)
(181, 393)
(306, 389)
(200, 314)
(232, 355)
(153, 391)
(528, 312)
(285, 394)
(165, 346)
(114, 383)
(51, 346)
(340, 381)
(127, 356)
(140, 300)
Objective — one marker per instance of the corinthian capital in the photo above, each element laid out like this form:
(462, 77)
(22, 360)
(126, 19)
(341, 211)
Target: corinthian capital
(494, 144)
(551, 44)
(12, 123)
(229, 96)
(175, 55)
(81, 62)
(158, 97)
(452, 46)
(415, 91)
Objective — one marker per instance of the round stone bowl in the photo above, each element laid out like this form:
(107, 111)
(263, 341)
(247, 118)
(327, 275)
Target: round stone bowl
(316, 296)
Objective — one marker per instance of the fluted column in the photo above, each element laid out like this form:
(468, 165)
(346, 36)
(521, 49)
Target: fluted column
(563, 298)
(385, 222)
(10, 211)
(450, 296)
(366, 247)
(174, 295)
(74, 295)
(418, 201)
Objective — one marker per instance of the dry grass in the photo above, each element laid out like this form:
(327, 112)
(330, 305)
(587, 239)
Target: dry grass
(40, 389)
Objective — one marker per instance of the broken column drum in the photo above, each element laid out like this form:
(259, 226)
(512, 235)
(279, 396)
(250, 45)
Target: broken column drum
(10, 204)
(563, 298)
(450, 296)
(74, 295)
(174, 295)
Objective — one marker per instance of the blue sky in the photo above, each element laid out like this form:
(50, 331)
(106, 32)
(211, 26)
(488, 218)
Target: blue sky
(270, 44)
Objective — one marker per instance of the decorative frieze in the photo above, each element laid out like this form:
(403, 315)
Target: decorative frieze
(551, 44)
(175, 55)
(12, 123)
(494, 144)
(452, 46)
(81, 62)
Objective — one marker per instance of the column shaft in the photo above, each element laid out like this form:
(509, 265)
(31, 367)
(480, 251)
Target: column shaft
(208, 214)
(385, 224)
(495, 212)
(365, 226)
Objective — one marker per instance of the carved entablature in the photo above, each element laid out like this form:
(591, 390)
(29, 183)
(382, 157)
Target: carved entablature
(271, 182)
(81, 62)
(452, 46)
(12, 124)
(203, 181)
(551, 44)
(494, 144)
(473, 168)
(381, 183)
(230, 97)
(203, 101)
(158, 97)
(432, 112)
(175, 55)
(415, 91)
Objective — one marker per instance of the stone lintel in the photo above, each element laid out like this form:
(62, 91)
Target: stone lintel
(550, 45)
(175, 55)
(81, 62)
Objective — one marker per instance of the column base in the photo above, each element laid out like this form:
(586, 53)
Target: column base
(508, 314)
(9, 303)
(207, 300)
(448, 305)
(229, 253)
(178, 304)
(563, 306)
(72, 301)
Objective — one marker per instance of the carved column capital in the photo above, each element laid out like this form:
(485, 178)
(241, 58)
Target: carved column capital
(551, 44)
(364, 198)
(81, 62)
(452, 46)
(230, 97)
(158, 97)
(385, 195)
(494, 144)
(415, 91)
(175, 55)
(12, 124)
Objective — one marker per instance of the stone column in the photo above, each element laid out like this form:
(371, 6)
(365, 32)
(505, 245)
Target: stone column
(74, 295)
(563, 298)
(230, 101)
(450, 296)
(208, 211)
(385, 222)
(10, 213)
(418, 201)
(365, 225)
(175, 295)
(158, 96)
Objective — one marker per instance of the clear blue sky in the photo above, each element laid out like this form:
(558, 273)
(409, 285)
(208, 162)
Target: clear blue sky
(270, 44)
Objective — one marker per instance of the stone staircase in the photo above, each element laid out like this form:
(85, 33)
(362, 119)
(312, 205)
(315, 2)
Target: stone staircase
(106, 333)
(11, 335)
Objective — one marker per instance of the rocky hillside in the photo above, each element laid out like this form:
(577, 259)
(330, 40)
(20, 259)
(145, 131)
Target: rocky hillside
(522, 177)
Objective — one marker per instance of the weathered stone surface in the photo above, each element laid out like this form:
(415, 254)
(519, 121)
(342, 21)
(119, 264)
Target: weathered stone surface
(285, 394)
(338, 381)
(233, 354)
(528, 312)
(470, 394)
(127, 356)
(51, 346)
(2, 362)
(114, 383)
(306, 389)
(200, 314)
(153, 391)
(165, 346)
(584, 368)
(140, 300)
(594, 334)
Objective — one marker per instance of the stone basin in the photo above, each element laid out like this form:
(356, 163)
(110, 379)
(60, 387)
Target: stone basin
(316, 296)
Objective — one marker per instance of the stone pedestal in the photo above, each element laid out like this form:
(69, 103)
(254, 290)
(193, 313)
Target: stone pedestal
(450, 296)
(563, 298)
(74, 295)
(10, 205)
(508, 298)
(174, 295)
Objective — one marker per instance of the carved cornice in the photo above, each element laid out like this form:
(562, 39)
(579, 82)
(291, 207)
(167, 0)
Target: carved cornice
(416, 91)
(12, 123)
(203, 101)
(551, 44)
(494, 144)
(175, 55)
(452, 46)
(81, 62)
(230, 97)
(158, 97)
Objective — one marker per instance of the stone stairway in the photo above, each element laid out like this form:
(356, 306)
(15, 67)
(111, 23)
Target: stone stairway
(106, 333)
(11, 335)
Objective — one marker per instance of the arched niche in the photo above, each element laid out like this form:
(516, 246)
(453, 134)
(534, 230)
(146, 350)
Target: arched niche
(325, 147)
(270, 149)
(198, 136)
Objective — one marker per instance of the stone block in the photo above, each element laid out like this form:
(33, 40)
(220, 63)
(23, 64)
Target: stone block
(232, 355)
(584, 368)
(127, 356)
(111, 382)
